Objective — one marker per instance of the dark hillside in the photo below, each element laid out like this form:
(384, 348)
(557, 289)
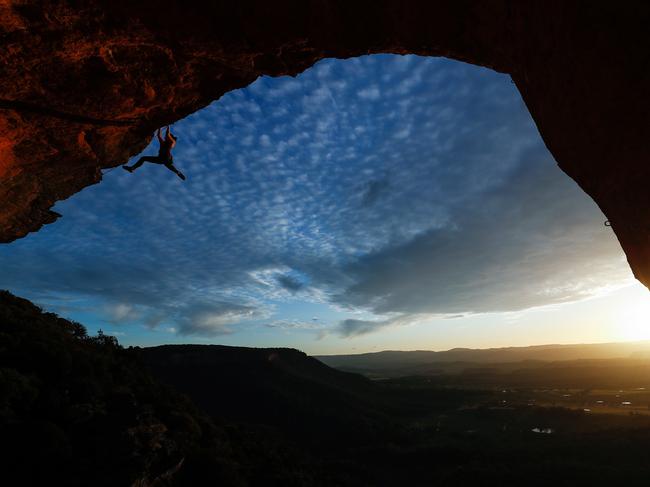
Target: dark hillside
(77, 410)
(274, 386)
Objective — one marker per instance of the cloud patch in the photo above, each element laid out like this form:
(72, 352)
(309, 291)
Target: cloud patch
(121, 312)
(290, 283)
(353, 327)
(215, 319)
(530, 241)
(373, 190)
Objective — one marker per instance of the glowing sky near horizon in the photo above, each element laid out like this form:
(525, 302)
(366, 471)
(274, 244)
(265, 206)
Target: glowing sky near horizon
(383, 202)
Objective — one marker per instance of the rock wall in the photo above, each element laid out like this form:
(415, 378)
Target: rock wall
(84, 83)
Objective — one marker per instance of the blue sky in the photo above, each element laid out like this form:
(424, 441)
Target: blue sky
(366, 203)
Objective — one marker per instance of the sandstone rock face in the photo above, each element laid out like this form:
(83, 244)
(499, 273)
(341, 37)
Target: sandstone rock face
(84, 83)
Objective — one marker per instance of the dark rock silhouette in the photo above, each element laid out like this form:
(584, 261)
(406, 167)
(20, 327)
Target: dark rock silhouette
(85, 85)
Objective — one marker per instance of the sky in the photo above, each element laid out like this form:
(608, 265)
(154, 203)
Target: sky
(382, 202)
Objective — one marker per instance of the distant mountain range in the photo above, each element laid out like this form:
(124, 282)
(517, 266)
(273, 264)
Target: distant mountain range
(424, 362)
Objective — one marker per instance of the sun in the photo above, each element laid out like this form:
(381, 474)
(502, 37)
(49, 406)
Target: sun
(633, 323)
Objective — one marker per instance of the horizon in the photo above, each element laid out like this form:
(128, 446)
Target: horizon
(541, 345)
(634, 342)
(291, 229)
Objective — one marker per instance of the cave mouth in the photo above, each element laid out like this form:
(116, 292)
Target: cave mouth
(305, 192)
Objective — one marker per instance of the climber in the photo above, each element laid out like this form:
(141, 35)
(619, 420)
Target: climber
(164, 156)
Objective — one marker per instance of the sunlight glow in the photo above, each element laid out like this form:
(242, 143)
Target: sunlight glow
(634, 321)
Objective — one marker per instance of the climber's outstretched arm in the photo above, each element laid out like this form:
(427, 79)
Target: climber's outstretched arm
(159, 135)
(170, 138)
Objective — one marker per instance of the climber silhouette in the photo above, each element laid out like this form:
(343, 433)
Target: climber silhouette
(164, 156)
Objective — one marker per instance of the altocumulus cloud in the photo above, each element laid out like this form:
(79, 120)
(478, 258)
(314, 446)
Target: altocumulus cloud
(399, 186)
